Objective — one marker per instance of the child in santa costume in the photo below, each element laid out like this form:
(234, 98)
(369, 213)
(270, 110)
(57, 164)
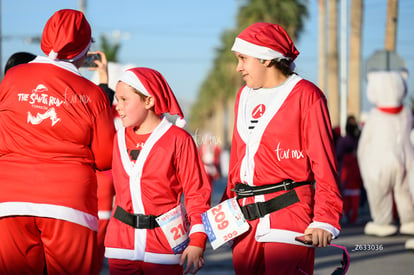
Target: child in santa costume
(282, 165)
(155, 163)
(56, 128)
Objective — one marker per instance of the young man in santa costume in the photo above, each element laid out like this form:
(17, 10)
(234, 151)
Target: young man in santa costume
(282, 163)
(56, 128)
(155, 163)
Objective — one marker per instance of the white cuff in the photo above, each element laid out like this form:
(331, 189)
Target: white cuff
(325, 226)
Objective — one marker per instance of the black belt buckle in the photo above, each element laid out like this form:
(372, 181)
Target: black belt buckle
(253, 211)
(139, 221)
(145, 221)
(135, 220)
(152, 222)
(287, 185)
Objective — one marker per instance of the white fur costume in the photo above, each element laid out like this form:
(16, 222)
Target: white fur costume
(409, 244)
(385, 154)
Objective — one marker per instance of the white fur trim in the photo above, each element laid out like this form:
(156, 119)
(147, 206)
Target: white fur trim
(104, 215)
(244, 47)
(281, 236)
(407, 228)
(52, 55)
(380, 230)
(131, 79)
(60, 63)
(180, 122)
(325, 226)
(129, 254)
(134, 172)
(283, 91)
(49, 211)
(81, 54)
(197, 228)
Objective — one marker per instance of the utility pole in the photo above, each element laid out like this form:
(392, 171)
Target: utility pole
(82, 6)
(344, 67)
(333, 67)
(355, 57)
(391, 27)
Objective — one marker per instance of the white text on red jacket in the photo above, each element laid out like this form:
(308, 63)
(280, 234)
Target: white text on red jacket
(283, 153)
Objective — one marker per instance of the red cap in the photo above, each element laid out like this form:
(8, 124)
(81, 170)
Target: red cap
(265, 41)
(66, 35)
(151, 82)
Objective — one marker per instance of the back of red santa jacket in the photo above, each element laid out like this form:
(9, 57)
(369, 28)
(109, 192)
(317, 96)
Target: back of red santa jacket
(56, 128)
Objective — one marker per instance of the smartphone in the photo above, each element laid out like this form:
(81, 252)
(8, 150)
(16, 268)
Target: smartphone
(303, 240)
(89, 60)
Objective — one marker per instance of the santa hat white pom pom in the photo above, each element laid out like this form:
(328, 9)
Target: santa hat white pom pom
(180, 122)
(53, 55)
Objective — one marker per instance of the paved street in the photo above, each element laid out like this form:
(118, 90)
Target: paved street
(392, 259)
(385, 255)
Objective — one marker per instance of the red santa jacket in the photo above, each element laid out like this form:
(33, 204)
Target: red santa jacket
(56, 128)
(292, 140)
(167, 167)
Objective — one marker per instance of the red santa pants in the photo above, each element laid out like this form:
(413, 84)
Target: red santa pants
(29, 243)
(127, 267)
(252, 257)
(106, 195)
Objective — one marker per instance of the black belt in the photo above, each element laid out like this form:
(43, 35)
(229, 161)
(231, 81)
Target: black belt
(244, 190)
(260, 209)
(136, 220)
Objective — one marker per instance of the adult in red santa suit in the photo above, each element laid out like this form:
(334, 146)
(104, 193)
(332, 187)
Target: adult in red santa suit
(154, 164)
(56, 128)
(282, 163)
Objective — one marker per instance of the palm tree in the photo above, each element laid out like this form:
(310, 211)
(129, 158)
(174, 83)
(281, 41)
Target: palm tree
(333, 69)
(290, 14)
(110, 49)
(354, 80)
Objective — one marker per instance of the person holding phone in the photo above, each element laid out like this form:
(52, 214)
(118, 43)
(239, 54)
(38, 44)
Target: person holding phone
(283, 167)
(56, 127)
(106, 192)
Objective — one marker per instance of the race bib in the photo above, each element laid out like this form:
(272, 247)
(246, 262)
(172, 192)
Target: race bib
(175, 226)
(224, 222)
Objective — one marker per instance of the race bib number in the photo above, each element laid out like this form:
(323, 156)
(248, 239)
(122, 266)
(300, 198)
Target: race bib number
(224, 222)
(175, 226)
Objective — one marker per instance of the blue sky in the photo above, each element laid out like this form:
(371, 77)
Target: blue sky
(178, 38)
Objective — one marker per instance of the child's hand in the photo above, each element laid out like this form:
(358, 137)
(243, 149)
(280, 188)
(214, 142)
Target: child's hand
(320, 237)
(194, 257)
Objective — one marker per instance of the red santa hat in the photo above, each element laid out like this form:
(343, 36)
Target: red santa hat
(265, 41)
(66, 35)
(151, 83)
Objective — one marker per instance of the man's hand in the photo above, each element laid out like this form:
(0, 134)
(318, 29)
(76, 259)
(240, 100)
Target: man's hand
(319, 237)
(194, 257)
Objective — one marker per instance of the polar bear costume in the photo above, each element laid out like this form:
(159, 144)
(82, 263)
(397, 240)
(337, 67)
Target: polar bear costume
(385, 154)
(409, 244)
